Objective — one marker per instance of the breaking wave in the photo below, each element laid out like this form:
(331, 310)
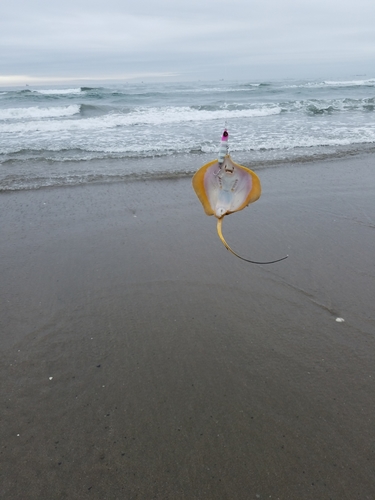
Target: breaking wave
(58, 91)
(37, 112)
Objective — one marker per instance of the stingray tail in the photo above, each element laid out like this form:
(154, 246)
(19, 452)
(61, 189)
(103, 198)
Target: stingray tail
(219, 232)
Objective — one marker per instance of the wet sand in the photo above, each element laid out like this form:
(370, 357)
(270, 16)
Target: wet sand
(140, 359)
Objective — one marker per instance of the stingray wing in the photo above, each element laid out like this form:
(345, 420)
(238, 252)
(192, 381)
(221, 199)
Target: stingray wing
(226, 188)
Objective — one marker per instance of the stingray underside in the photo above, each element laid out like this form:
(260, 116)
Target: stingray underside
(226, 188)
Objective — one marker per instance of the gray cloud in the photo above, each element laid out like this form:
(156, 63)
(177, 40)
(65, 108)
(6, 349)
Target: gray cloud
(193, 39)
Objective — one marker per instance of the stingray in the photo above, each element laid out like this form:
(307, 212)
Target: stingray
(224, 187)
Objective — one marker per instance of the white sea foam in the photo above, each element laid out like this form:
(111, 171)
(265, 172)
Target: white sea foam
(274, 138)
(58, 91)
(37, 112)
(350, 83)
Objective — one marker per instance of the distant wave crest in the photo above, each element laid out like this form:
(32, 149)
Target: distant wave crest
(350, 83)
(58, 91)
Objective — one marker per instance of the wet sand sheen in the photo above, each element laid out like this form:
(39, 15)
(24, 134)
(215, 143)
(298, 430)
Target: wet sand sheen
(179, 371)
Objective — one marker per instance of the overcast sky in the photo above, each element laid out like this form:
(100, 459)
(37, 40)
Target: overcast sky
(91, 40)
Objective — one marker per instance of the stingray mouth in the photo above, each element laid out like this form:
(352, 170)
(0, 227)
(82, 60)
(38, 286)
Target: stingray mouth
(229, 169)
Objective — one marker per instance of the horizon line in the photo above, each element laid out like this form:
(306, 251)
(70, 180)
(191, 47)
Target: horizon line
(26, 80)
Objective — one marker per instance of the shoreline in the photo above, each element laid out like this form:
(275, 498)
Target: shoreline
(151, 168)
(140, 359)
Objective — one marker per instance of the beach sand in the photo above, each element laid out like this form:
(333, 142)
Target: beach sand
(141, 360)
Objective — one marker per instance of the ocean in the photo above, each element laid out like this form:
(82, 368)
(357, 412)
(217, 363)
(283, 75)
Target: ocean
(55, 136)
